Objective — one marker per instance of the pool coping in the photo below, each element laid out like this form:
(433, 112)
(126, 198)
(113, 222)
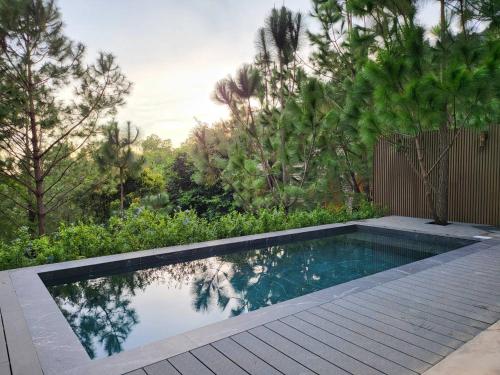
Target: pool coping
(57, 350)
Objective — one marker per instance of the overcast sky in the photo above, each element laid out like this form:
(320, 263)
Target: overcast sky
(174, 51)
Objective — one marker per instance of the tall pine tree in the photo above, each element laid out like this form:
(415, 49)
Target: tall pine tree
(116, 154)
(40, 127)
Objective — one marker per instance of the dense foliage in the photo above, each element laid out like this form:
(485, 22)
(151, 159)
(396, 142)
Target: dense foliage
(299, 136)
(143, 229)
(41, 135)
(443, 79)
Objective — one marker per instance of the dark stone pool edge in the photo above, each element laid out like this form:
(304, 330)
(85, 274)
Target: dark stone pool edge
(60, 352)
(174, 254)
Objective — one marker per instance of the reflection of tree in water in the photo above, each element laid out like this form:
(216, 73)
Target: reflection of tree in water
(269, 276)
(258, 278)
(249, 280)
(100, 310)
(210, 285)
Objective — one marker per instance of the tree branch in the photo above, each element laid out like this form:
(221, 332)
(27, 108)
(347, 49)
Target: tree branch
(9, 197)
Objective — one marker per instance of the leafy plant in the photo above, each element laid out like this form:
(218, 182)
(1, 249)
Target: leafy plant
(141, 228)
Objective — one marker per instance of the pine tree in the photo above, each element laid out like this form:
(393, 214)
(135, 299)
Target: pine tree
(416, 85)
(39, 129)
(279, 42)
(342, 48)
(116, 153)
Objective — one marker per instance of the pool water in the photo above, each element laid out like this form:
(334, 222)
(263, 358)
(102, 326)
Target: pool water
(118, 312)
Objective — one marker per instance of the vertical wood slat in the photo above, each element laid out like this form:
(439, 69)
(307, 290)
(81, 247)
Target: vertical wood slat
(474, 177)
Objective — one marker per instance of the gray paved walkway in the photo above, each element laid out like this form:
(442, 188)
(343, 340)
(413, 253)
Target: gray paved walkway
(403, 326)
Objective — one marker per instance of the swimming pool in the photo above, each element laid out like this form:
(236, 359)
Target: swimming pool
(111, 313)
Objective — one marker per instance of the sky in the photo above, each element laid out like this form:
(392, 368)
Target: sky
(174, 51)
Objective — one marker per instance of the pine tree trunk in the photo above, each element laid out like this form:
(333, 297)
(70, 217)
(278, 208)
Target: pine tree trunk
(283, 155)
(367, 190)
(425, 178)
(122, 193)
(31, 212)
(443, 177)
(284, 167)
(39, 180)
(36, 158)
(462, 18)
(354, 183)
(40, 209)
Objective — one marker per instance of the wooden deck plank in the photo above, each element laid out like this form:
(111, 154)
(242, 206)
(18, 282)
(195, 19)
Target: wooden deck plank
(475, 285)
(305, 357)
(446, 299)
(487, 302)
(187, 364)
(410, 315)
(330, 354)
(272, 356)
(483, 271)
(486, 254)
(366, 342)
(467, 268)
(5, 368)
(216, 361)
(476, 278)
(432, 309)
(458, 282)
(486, 261)
(458, 296)
(161, 368)
(413, 328)
(458, 285)
(420, 279)
(416, 346)
(243, 358)
(482, 315)
(358, 352)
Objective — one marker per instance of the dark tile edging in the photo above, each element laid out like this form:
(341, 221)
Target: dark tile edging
(176, 254)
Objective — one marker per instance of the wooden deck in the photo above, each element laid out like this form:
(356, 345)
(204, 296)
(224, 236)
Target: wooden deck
(400, 321)
(403, 326)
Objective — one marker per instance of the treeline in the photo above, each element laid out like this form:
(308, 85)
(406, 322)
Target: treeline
(301, 133)
(301, 128)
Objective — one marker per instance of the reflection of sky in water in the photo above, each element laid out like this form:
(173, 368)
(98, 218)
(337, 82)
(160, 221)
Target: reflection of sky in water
(115, 313)
(160, 308)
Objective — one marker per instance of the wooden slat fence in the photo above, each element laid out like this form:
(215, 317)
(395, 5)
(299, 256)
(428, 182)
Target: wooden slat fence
(474, 192)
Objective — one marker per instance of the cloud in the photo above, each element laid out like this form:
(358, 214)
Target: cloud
(174, 52)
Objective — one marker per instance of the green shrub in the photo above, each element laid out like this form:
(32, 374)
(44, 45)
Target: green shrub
(80, 241)
(141, 229)
(19, 252)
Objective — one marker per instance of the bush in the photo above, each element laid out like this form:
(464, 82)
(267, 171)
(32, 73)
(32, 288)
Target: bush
(141, 229)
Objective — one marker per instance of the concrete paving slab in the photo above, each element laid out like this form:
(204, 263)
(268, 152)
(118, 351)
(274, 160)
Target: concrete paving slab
(480, 356)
